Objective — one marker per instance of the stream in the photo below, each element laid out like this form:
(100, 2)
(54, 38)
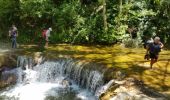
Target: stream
(67, 79)
(52, 80)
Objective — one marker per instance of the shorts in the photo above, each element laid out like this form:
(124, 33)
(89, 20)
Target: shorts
(153, 56)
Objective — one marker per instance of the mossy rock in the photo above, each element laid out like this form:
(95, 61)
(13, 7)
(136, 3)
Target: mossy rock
(8, 80)
(8, 60)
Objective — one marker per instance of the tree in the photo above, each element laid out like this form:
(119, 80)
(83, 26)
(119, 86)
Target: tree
(104, 16)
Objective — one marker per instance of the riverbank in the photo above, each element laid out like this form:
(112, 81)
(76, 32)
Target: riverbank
(130, 62)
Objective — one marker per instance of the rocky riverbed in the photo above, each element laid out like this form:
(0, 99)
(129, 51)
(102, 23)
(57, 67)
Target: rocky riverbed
(8, 60)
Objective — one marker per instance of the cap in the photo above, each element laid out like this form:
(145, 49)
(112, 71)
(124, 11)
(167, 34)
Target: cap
(50, 29)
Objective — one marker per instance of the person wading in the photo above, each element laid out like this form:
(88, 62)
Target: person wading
(13, 34)
(153, 50)
(46, 35)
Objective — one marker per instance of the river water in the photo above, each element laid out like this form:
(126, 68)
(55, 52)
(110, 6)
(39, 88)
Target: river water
(53, 80)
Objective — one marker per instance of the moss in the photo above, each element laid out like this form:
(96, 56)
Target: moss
(130, 61)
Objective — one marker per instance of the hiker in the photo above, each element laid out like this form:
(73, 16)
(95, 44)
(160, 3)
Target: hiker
(13, 35)
(46, 35)
(153, 50)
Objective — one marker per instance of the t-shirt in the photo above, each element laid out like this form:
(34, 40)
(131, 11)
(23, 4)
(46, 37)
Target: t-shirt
(48, 33)
(154, 48)
(14, 32)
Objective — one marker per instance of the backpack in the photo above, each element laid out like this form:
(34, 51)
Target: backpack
(44, 33)
(147, 43)
(155, 48)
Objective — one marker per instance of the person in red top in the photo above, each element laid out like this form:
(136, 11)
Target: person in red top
(46, 34)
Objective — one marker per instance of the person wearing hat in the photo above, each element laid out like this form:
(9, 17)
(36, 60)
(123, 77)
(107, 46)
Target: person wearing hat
(47, 35)
(153, 50)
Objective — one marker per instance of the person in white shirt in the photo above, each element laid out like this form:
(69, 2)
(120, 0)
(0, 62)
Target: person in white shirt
(47, 35)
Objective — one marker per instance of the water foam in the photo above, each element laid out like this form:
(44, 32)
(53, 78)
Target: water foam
(47, 80)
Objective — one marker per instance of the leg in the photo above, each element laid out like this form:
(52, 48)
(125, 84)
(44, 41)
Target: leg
(153, 60)
(46, 44)
(47, 40)
(12, 42)
(15, 43)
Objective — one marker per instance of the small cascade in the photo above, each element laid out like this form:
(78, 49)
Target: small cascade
(55, 75)
(24, 62)
(84, 77)
(50, 71)
(24, 65)
(64, 79)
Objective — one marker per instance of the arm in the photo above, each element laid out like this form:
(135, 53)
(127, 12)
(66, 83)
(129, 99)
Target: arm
(16, 32)
(161, 45)
(9, 33)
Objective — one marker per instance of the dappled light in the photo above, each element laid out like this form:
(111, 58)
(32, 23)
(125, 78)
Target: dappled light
(130, 61)
(108, 49)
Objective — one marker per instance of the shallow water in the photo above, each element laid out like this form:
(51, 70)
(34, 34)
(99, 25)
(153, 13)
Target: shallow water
(45, 91)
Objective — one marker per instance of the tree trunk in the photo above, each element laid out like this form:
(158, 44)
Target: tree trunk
(104, 15)
(120, 7)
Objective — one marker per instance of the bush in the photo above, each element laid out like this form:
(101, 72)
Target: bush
(132, 43)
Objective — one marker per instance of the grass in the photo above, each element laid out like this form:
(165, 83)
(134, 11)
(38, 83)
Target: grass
(130, 61)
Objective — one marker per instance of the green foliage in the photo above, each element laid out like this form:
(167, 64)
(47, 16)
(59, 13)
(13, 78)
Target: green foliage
(81, 21)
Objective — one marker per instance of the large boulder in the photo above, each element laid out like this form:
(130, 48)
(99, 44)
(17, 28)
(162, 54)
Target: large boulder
(6, 77)
(130, 89)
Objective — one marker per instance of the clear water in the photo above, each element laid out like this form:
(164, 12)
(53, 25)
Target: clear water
(45, 91)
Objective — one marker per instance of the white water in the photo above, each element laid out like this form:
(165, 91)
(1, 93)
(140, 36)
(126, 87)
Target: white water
(58, 80)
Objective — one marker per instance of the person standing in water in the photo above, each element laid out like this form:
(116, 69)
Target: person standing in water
(13, 33)
(153, 50)
(47, 35)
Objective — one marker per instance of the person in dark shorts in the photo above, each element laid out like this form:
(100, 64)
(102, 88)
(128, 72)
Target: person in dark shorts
(153, 50)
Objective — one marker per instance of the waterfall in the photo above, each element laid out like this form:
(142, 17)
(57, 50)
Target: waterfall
(24, 62)
(62, 79)
(91, 80)
(57, 74)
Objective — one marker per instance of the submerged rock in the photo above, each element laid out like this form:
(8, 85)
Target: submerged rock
(66, 83)
(38, 58)
(7, 78)
(29, 62)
